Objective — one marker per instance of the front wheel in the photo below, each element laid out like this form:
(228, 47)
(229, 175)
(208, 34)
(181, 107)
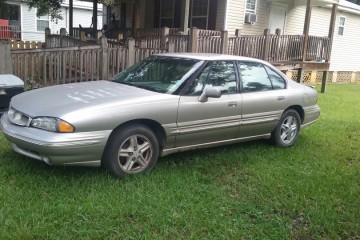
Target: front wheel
(131, 150)
(287, 131)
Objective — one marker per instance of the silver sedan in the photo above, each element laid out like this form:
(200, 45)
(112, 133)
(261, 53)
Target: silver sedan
(164, 104)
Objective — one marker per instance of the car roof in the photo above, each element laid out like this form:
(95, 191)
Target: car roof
(209, 56)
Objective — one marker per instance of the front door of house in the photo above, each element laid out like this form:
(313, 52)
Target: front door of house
(277, 17)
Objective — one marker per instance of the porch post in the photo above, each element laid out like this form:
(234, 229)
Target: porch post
(331, 38)
(224, 42)
(265, 53)
(71, 17)
(306, 28)
(186, 17)
(306, 38)
(193, 40)
(104, 67)
(94, 18)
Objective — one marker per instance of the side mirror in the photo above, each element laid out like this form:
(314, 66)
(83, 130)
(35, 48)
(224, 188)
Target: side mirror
(209, 92)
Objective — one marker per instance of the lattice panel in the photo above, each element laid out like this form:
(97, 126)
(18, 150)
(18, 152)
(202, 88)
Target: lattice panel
(343, 77)
(331, 74)
(306, 76)
(357, 77)
(294, 75)
(319, 76)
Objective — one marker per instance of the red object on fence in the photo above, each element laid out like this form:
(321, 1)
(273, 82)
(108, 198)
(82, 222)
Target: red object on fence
(4, 29)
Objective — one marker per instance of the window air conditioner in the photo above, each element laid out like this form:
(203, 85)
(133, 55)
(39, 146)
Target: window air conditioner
(250, 18)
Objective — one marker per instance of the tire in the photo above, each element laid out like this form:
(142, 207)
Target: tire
(132, 149)
(287, 131)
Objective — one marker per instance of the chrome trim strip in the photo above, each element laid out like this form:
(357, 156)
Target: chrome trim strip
(95, 163)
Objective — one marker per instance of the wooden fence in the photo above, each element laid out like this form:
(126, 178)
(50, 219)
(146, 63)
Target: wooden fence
(17, 44)
(53, 66)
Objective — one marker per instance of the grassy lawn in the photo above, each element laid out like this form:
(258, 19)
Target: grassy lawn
(244, 191)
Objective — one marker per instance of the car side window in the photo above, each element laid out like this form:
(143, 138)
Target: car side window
(220, 74)
(277, 81)
(254, 78)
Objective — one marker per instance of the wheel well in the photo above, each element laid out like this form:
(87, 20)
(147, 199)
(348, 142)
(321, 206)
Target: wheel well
(299, 110)
(153, 125)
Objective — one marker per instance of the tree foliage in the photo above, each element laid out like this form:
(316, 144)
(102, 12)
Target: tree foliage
(44, 7)
(52, 7)
(355, 1)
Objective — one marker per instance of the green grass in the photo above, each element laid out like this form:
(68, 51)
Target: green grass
(244, 191)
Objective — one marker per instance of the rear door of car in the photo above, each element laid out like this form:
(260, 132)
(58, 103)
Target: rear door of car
(264, 97)
(217, 119)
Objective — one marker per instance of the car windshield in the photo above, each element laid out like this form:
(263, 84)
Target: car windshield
(159, 74)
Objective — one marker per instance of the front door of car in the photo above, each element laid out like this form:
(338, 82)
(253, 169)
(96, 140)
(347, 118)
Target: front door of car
(215, 118)
(264, 97)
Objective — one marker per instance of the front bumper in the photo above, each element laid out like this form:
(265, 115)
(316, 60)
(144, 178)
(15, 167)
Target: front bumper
(83, 148)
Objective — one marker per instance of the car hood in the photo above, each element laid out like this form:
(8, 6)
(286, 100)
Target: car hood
(59, 100)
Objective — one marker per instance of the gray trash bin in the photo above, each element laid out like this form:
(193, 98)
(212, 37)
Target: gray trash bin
(10, 85)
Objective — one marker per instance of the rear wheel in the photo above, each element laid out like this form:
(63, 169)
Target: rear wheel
(132, 149)
(288, 129)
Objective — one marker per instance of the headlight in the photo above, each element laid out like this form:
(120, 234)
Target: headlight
(52, 124)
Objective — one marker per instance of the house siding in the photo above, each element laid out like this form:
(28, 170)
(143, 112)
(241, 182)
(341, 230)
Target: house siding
(236, 14)
(345, 54)
(28, 25)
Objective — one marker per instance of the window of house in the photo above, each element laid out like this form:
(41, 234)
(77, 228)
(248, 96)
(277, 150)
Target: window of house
(14, 12)
(199, 14)
(251, 6)
(167, 13)
(218, 74)
(42, 22)
(341, 26)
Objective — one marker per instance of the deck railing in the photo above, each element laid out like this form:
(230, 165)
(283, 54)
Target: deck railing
(10, 32)
(318, 48)
(77, 61)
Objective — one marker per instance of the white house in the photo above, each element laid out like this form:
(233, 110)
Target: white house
(251, 17)
(345, 57)
(33, 27)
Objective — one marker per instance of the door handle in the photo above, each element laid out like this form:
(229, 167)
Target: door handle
(232, 104)
(280, 98)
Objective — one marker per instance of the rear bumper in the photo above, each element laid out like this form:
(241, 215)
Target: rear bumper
(84, 148)
(312, 114)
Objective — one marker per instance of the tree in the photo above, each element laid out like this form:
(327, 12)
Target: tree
(44, 7)
(355, 1)
(52, 7)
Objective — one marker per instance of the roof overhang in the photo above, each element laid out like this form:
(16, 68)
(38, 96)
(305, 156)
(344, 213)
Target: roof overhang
(304, 2)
